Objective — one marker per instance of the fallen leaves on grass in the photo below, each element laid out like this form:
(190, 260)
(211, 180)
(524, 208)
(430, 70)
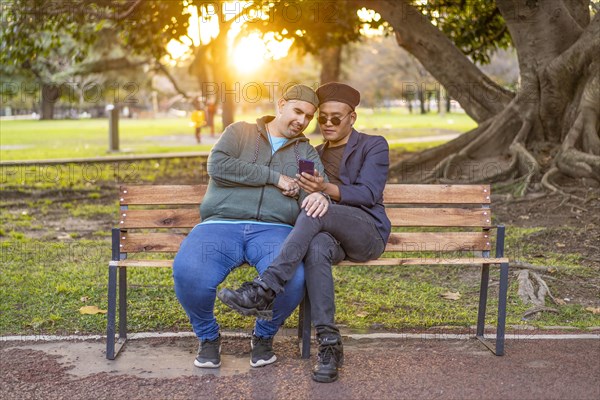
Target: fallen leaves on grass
(362, 314)
(450, 295)
(593, 310)
(91, 310)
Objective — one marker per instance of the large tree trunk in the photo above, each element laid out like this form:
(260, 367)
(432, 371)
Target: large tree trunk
(331, 69)
(228, 92)
(214, 57)
(550, 126)
(331, 62)
(50, 94)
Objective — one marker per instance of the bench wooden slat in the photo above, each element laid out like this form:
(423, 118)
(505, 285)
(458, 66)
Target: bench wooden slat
(399, 241)
(400, 217)
(436, 194)
(393, 193)
(380, 261)
(176, 218)
(151, 242)
(429, 261)
(161, 194)
(439, 217)
(438, 241)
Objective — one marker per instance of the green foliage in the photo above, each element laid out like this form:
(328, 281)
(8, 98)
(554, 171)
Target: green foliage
(476, 27)
(33, 29)
(313, 24)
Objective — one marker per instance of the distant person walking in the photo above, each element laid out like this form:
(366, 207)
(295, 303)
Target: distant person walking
(199, 119)
(211, 110)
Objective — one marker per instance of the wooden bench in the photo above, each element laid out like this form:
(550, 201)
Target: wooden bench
(441, 224)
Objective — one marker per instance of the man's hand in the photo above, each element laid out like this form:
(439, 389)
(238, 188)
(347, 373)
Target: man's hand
(316, 205)
(311, 183)
(289, 187)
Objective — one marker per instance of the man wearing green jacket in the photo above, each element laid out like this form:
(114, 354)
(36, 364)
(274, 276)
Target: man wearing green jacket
(249, 208)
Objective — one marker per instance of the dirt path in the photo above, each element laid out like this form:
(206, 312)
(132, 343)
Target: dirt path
(382, 369)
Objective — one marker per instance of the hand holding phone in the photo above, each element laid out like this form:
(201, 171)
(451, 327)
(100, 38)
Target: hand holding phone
(306, 166)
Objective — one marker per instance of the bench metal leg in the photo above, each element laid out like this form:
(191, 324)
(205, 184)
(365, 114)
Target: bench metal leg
(123, 303)
(111, 313)
(502, 309)
(304, 326)
(498, 349)
(114, 345)
(483, 292)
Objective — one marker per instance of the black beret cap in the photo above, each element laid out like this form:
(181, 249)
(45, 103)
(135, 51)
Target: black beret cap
(336, 91)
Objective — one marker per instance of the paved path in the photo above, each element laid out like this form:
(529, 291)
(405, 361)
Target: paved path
(374, 369)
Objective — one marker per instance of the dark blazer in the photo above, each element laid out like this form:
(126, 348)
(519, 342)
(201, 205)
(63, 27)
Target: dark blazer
(363, 172)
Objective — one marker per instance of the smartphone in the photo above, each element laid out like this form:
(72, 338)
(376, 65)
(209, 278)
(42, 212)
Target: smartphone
(306, 166)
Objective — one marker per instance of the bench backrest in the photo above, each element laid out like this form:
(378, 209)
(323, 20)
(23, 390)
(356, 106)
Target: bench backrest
(156, 218)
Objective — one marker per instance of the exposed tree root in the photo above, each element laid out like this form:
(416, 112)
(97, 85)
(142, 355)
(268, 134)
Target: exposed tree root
(548, 184)
(577, 164)
(533, 290)
(539, 309)
(524, 265)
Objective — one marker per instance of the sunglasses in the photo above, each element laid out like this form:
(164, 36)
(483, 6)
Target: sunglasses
(334, 120)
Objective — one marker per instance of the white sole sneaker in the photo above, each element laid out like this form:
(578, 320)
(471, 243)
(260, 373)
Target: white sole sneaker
(208, 364)
(262, 363)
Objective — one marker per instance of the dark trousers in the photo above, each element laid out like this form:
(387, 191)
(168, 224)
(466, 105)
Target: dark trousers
(345, 232)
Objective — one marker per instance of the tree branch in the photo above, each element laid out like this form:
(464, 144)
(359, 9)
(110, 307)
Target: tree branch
(99, 66)
(477, 94)
(84, 9)
(572, 62)
(244, 13)
(160, 67)
(540, 31)
(579, 10)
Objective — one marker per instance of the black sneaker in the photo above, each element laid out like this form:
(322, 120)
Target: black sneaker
(329, 359)
(209, 354)
(252, 298)
(262, 352)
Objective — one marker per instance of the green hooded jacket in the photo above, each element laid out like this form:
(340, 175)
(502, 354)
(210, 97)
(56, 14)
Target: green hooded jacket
(244, 174)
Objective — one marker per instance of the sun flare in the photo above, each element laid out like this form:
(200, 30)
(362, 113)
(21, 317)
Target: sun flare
(249, 54)
(246, 56)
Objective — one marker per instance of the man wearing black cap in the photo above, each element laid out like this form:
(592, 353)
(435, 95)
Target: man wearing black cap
(250, 205)
(355, 226)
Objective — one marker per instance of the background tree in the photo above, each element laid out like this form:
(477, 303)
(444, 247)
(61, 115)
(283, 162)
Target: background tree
(55, 41)
(392, 73)
(318, 27)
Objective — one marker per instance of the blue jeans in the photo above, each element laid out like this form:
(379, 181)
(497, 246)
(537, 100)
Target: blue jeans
(210, 252)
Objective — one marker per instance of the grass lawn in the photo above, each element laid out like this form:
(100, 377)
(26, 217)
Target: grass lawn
(31, 140)
(55, 247)
(46, 283)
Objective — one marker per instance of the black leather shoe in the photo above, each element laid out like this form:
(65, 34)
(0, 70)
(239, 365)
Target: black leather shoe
(252, 298)
(329, 359)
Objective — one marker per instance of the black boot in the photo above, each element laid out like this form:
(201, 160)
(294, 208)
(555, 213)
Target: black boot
(252, 298)
(330, 357)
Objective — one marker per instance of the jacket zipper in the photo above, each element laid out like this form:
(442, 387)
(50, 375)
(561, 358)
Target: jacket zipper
(262, 191)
